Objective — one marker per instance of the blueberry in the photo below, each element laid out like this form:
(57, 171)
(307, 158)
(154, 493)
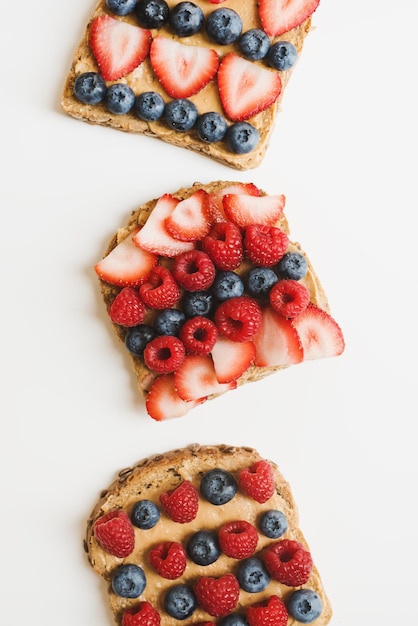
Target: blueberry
(227, 285)
(282, 55)
(211, 127)
(304, 605)
(137, 338)
(121, 7)
(234, 619)
(203, 547)
(254, 44)
(145, 514)
(292, 265)
(129, 581)
(218, 486)
(152, 13)
(224, 26)
(90, 88)
(180, 114)
(198, 303)
(242, 137)
(273, 524)
(169, 322)
(149, 106)
(180, 602)
(260, 280)
(252, 575)
(119, 98)
(186, 19)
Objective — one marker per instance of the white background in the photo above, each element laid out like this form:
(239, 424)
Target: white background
(342, 430)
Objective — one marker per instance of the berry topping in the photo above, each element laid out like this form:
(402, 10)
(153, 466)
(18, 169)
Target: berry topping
(277, 342)
(218, 486)
(196, 378)
(119, 98)
(242, 137)
(280, 16)
(224, 26)
(180, 602)
(198, 303)
(186, 19)
(149, 106)
(232, 358)
(203, 547)
(271, 612)
(319, 333)
(194, 270)
(289, 298)
(127, 309)
(238, 539)
(260, 280)
(90, 88)
(190, 219)
(164, 354)
(160, 291)
(181, 504)
(239, 318)
(211, 127)
(273, 524)
(214, 200)
(169, 322)
(121, 7)
(143, 614)
(265, 245)
(218, 596)
(254, 44)
(152, 13)
(282, 55)
(252, 575)
(168, 558)
(129, 581)
(163, 402)
(227, 284)
(288, 562)
(137, 338)
(145, 514)
(246, 210)
(292, 265)
(224, 245)
(304, 605)
(257, 481)
(199, 335)
(181, 114)
(115, 533)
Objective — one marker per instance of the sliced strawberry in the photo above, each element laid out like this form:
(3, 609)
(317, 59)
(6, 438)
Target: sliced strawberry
(231, 358)
(190, 220)
(214, 199)
(196, 379)
(154, 235)
(182, 70)
(319, 333)
(277, 342)
(245, 210)
(126, 264)
(118, 47)
(280, 16)
(163, 402)
(246, 88)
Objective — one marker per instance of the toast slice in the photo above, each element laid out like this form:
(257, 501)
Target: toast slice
(214, 77)
(145, 249)
(230, 493)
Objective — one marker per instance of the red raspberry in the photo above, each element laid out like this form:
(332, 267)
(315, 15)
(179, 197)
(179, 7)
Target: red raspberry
(273, 612)
(238, 539)
(289, 298)
(199, 335)
(115, 533)
(143, 615)
(265, 245)
(288, 562)
(164, 354)
(194, 270)
(224, 245)
(127, 309)
(160, 291)
(168, 559)
(257, 481)
(217, 596)
(239, 318)
(181, 504)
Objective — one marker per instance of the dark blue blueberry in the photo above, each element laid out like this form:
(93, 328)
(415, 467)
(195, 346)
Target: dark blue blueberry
(119, 98)
(186, 19)
(149, 106)
(282, 55)
(227, 285)
(198, 303)
(254, 44)
(304, 605)
(169, 322)
(180, 114)
(145, 514)
(218, 486)
(234, 619)
(224, 26)
(152, 13)
(129, 581)
(90, 88)
(260, 280)
(252, 575)
(180, 602)
(211, 127)
(273, 524)
(242, 137)
(121, 7)
(137, 338)
(292, 265)
(203, 547)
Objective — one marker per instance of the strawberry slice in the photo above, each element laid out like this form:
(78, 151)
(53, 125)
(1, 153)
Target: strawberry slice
(182, 70)
(231, 358)
(319, 333)
(245, 210)
(246, 88)
(214, 199)
(118, 47)
(280, 16)
(154, 236)
(277, 343)
(196, 379)
(190, 220)
(126, 264)
(163, 402)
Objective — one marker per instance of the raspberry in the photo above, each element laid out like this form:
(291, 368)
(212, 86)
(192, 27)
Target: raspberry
(168, 559)
(289, 298)
(115, 533)
(265, 245)
(194, 270)
(143, 615)
(257, 481)
(160, 291)
(181, 503)
(217, 596)
(224, 245)
(238, 539)
(164, 354)
(273, 612)
(288, 562)
(239, 318)
(199, 335)
(127, 309)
